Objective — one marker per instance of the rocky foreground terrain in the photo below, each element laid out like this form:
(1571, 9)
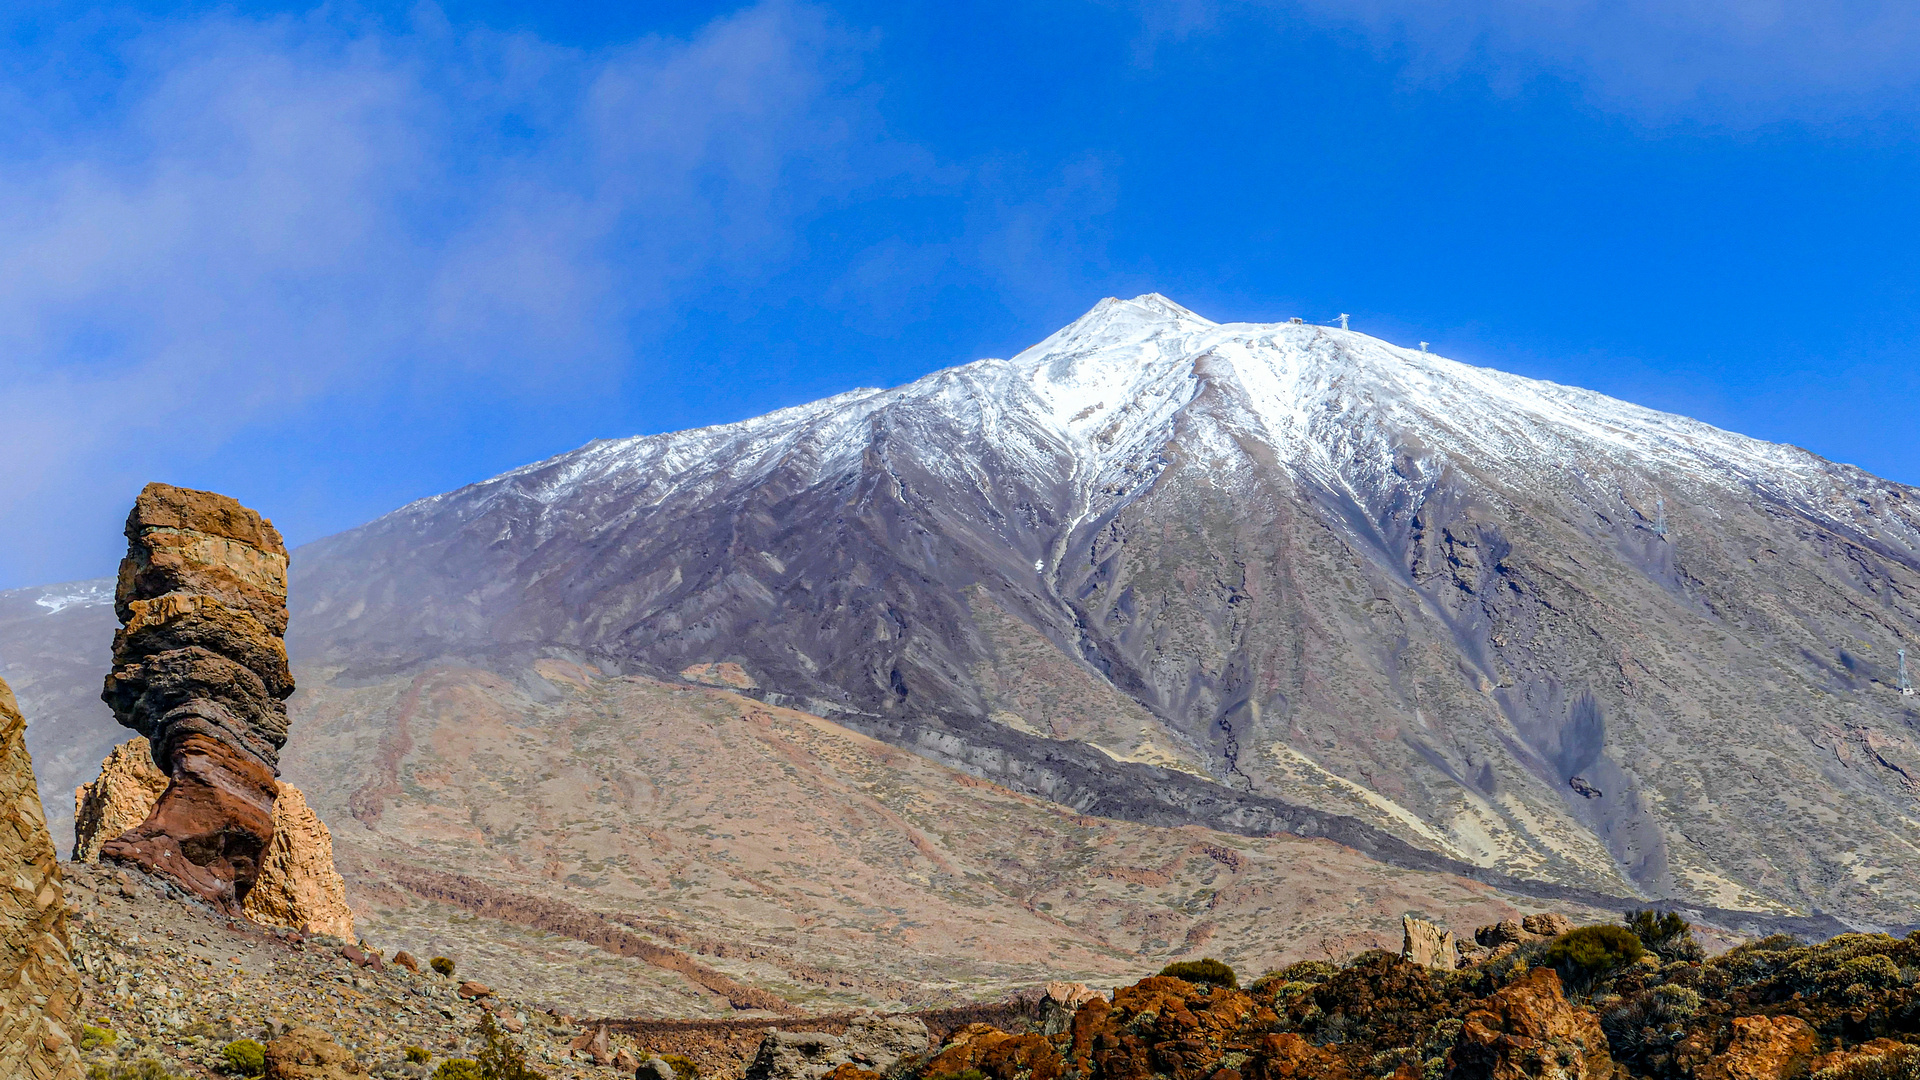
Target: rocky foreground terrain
(171, 980)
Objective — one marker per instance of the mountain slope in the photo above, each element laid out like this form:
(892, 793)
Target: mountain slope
(1260, 577)
(1525, 626)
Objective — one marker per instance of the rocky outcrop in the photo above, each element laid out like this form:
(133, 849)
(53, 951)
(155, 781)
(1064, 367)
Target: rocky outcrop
(1424, 943)
(1528, 1031)
(872, 1043)
(307, 1053)
(200, 670)
(1761, 1048)
(1062, 1000)
(118, 799)
(39, 988)
(298, 887)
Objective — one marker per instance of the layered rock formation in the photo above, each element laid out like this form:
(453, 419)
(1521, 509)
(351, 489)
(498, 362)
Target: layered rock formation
(39, 988)
(200, 670)
(118, 799)
(298, 887)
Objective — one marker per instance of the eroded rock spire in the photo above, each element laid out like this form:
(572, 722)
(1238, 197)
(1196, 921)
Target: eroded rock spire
(200, 669)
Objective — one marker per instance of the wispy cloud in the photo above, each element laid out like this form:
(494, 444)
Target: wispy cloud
(1734, 61)
(258, 215)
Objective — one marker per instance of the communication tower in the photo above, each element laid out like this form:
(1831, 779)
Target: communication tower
(1343, 320)
(1423, 346)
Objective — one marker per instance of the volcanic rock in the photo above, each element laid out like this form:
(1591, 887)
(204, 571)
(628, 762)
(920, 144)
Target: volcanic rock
(1061, 1001)
(872, 1042)
(1762, 1048)
(39, 988)
(306, 1053)
(1426, 944)
(200, 669)
(298, 887)
(118, 799)
(1528, 1030)
(1546, 924)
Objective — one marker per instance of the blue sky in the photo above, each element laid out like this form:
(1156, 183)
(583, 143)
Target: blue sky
(333, 259)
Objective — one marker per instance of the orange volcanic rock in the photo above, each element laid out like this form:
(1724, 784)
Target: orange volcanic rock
(1528, 1030)
(200, 670)
(1763, 1048)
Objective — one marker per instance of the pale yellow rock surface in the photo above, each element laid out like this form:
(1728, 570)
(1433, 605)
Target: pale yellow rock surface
(298, 887)
(118, 799)
(39, 988)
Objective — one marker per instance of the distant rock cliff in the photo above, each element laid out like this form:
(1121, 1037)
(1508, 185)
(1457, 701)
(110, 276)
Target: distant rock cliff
(200, 669)
(39, 988)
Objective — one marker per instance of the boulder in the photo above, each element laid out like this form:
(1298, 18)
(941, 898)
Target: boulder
(653, 1069)
(1505, 932)
(473, 990)
(1546, 924)
(298, 887)
(307, 1053)
(1762, 1048)
(200, 670)
(594, 1044)
(1287, 1056)
(1424, 943)
(405, 959)
(39, 988)
(1528, 1031)
(118, 799)
(874, 1043)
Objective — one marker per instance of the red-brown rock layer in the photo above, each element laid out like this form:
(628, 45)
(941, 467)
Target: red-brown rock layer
(200, 670)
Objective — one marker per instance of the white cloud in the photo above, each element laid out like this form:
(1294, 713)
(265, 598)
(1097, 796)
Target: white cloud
(264, 214)
(1735, 61)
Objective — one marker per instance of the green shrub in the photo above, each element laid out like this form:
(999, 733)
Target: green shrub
(500, 1058)
(1591, 952)
(244, 1057)
(1202, 971)
(683, 1068)
(1309, 971)
(458, 1069)
(416, 1055)
(442, 965)
(144, 1069)
(97, 1038)
(1666, 935)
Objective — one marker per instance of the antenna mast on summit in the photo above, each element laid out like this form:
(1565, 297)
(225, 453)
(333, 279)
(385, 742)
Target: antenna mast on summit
(1343, 320)
(1423, 346)
(1906, 684)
